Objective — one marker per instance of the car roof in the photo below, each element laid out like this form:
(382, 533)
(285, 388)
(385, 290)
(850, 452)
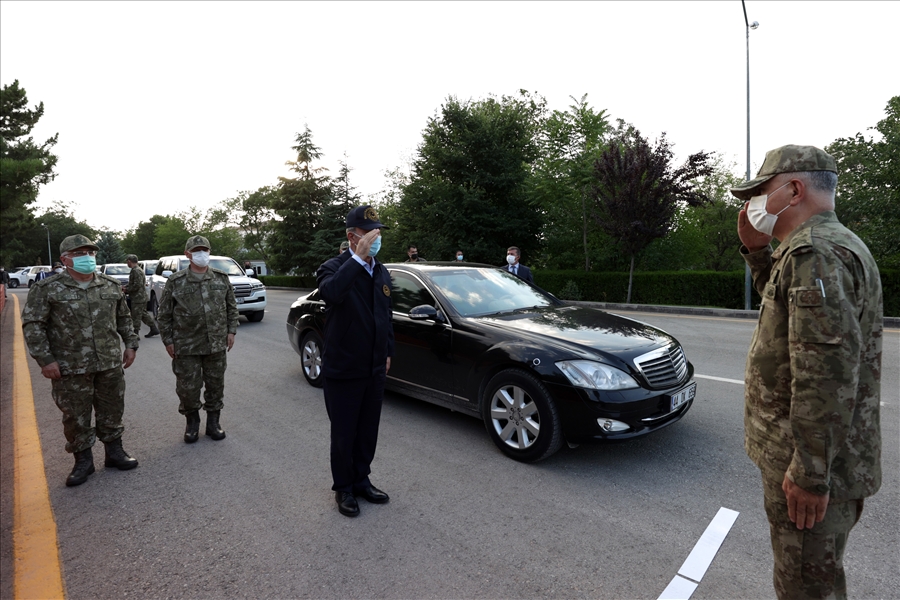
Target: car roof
(444, 264)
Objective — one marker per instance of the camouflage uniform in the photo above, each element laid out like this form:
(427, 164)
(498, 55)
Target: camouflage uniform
(196, 314)
(137, 291)
(812, 394)
(80, 329)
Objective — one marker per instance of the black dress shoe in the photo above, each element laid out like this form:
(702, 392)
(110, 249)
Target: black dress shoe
(347, 504)
(372, 494)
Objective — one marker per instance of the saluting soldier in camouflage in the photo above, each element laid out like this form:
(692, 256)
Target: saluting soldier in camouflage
(198, 319)
(72, 324)
(813, 372)
(137, 291)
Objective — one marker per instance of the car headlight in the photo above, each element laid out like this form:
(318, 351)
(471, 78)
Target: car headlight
(258, 286)
(597, 376)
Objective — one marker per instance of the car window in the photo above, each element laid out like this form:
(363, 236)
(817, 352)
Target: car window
(118, 270)
(408, 292)
(474, 292)
(228, 265)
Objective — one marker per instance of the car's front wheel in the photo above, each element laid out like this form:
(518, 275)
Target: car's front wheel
(256, 316)
(311, 358)
(13, 283)
(154, 306)
(521, 417)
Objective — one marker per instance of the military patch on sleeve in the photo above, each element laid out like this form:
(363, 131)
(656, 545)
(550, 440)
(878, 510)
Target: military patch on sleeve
(386, 290)
(813, 319)
(808, 297)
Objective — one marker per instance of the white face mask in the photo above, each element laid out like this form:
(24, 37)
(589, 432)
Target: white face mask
(201, 259)
(762, 220)
(510, 259)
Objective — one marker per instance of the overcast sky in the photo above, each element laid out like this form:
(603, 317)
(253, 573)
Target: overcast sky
(165, 105)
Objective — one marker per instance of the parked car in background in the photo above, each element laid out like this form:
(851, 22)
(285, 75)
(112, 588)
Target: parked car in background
(19, 277)
(33, 272)
(250, 293)
(119, 271)
(538, 372)
(149, 267)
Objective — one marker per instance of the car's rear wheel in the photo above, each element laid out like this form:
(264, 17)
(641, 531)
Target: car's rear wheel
(154, 306)
(311, 358)
(521, 417)
(256, 316)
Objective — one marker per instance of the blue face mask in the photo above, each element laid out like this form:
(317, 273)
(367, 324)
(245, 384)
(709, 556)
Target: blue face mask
(84, 264)
(375, 247)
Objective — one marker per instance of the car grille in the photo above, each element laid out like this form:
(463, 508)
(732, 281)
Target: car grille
(664, 367)
(242, 290)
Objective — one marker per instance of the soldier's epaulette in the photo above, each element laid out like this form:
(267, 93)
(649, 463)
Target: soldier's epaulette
(178, 274)
(802, 241)
(110, 279)
(219, 271)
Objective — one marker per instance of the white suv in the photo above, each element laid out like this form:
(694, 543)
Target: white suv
(250, 293)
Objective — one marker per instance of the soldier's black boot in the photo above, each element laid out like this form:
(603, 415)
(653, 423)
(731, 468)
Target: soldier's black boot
(192, 430)
(153, 331)
(84, 466)
(212, 425)
(117, 457)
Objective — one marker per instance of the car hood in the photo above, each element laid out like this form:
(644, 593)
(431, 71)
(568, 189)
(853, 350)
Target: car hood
(587, 331)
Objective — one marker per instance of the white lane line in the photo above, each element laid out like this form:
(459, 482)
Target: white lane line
(678, 589)
(737, 381)
(698, 561)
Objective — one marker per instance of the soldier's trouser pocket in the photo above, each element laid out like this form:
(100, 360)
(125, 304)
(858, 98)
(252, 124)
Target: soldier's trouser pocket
(809, 563)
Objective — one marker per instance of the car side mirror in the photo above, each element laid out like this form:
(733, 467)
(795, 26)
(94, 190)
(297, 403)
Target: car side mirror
(166, 274)
(426, 312)
(250, 273)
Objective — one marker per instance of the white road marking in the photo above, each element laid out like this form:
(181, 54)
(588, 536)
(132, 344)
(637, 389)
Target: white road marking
(737, 381)
(698, 561)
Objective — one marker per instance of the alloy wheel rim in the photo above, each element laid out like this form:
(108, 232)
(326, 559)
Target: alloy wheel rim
(515, 417)
(312, 360)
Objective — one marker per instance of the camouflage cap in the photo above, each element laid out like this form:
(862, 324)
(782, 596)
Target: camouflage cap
(787, 159)
(196, 241)
(76, 241)
(131, 257)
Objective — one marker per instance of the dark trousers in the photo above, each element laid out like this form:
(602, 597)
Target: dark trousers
(354, 408)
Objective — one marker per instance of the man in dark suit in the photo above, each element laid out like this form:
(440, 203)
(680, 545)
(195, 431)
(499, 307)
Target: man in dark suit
(359, 343)
(513, 266)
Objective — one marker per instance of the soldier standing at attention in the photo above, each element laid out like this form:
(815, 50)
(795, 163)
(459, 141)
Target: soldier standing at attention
(137, 291)
(812, 383)
(198, 319)
(72, 324)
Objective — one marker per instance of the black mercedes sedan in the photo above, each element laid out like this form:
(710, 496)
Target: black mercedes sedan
(538, 372)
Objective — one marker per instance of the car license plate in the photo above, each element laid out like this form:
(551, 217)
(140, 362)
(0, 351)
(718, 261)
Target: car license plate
(683, 396)
(239, 300)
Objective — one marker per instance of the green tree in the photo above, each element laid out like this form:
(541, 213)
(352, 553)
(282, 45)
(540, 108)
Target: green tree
(637, 191)
(257, 221)
(170, 236)
(868, 192)
(333, 226)
(24, 167)
(469, 183)
(139, 241)
(110, 249)
(60, 221)
(300, 205)
(571, 142)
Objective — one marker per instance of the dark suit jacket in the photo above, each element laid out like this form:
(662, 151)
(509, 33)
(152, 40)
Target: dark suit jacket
(359, 336)
(523, 274)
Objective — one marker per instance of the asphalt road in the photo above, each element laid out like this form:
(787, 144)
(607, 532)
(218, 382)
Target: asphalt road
(253, 516)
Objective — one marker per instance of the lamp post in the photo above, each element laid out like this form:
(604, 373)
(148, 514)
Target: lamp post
(748, 25)
(49, 252)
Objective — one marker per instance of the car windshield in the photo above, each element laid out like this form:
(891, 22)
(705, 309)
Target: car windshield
(118, 270)
(227, 265)
(476, 292)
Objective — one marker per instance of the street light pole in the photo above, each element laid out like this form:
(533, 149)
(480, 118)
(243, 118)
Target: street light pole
(49, 252)
(748, 26)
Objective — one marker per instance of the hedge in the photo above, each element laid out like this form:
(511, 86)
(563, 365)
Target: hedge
(674, 288)
(678, 288)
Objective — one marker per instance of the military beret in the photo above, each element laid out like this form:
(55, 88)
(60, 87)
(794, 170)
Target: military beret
(196, 241)
(786, 159)
(364, 217)
(76, 241)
